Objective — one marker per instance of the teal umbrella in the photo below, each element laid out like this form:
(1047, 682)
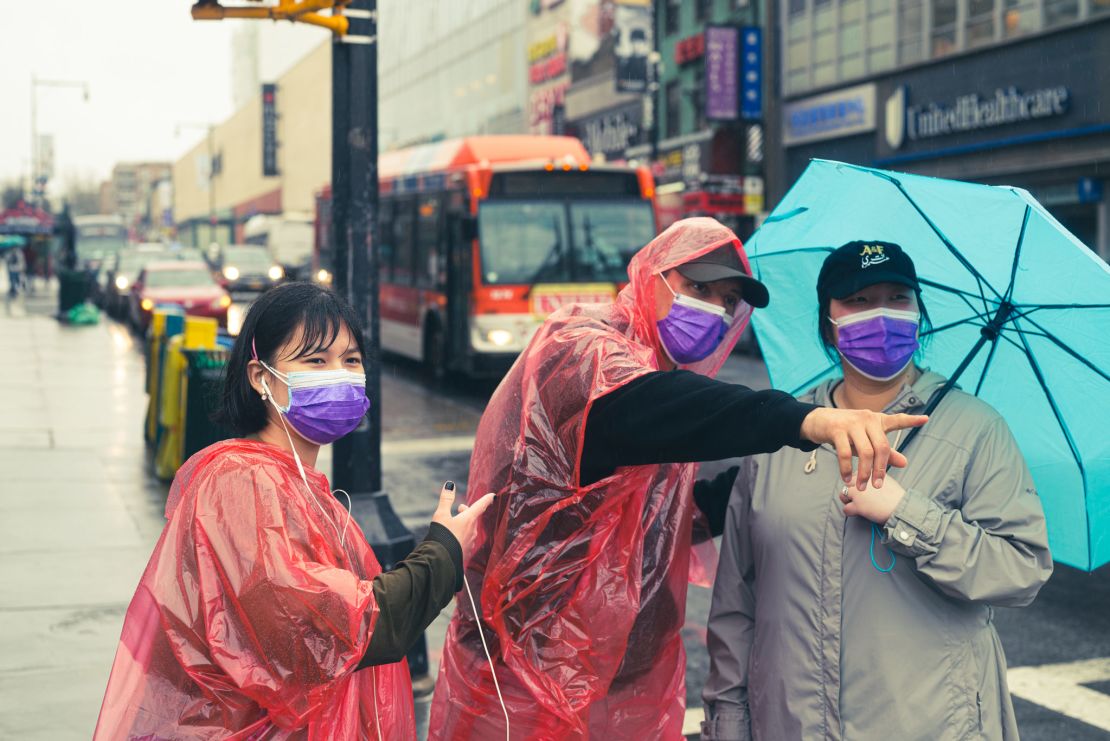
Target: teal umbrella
(1020, 311)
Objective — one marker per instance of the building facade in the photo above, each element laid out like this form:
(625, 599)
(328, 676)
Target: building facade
(1011, 92)
(128, 191)
(710, 142)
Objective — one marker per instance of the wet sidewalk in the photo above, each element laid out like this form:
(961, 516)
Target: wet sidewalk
(78, 514)
(80, 509)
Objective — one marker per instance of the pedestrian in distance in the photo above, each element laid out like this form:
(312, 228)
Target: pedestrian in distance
(848, 613)
(592, 442)
(16, 265)
(263, 613)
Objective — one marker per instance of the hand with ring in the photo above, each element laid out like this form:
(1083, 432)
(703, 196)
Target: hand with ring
(876, 505)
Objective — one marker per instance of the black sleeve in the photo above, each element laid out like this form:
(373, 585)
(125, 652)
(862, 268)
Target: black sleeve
(711, 497)
(683, 417)
(411, 595)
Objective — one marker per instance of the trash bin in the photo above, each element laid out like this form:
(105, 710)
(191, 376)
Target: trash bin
(73, 289)
(167, 322)
(204, 382)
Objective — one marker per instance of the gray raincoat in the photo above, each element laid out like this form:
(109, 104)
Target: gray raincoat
(809, 640)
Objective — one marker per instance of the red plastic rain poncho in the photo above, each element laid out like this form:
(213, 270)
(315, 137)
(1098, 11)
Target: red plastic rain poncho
(250, 617)
(582, 589)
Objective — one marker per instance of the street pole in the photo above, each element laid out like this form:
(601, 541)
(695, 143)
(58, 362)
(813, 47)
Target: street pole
(35, 84)
(356, 458)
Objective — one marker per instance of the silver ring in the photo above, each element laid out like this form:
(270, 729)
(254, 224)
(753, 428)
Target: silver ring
(844, 492)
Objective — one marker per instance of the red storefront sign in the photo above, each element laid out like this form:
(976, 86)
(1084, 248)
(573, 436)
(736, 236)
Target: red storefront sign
(713, 203)
(689, 49)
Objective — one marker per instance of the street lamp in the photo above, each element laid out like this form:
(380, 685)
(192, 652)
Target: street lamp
(36, 83)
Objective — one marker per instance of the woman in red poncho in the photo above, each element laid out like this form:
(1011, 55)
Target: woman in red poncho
(592, 439)
(262, 613)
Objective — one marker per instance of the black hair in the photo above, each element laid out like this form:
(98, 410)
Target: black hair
(825, 330)
(271, 322)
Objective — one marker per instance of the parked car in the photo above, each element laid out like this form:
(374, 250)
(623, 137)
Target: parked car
(122, 271)
(188, 284)
(247, 268)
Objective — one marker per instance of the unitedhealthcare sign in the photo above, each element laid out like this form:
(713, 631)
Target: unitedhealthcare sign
(830, 116)
(968, 112)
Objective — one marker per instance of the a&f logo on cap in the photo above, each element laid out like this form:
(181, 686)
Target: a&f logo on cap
(872, 254)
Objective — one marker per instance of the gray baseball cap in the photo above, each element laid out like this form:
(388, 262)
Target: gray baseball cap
(724, 263)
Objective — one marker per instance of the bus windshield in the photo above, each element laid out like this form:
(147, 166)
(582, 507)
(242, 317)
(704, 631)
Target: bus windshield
(548, 241)
(95, 241)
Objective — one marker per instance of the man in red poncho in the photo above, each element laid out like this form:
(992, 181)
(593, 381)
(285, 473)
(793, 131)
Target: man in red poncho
(592, 440)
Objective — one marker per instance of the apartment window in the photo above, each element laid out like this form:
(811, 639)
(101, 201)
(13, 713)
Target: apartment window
(673, 95)
(701, 9)
(670, 16)
(1099, 7)
(980, 22)
(910, 20)
(943, 39)
(1059, 12)
(796, 7)
(1019, 17)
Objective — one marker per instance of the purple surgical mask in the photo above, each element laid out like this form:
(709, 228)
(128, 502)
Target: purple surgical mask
(692, 329)
(879, 343)
(323, 405)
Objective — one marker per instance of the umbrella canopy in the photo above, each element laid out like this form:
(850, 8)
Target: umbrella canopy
(1020, 310)
(23, 218)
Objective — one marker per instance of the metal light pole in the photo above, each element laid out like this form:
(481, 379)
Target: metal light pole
(36, 83)
(356, 458)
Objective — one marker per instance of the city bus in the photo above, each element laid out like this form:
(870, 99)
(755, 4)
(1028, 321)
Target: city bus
(99, 238)
(482, 238)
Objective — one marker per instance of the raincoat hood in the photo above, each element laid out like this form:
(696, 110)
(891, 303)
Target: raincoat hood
(251, 616)
(581, 589)
(680, 243)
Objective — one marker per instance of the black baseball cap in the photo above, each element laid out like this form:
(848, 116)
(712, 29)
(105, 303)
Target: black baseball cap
(862, 263)
(724, 263)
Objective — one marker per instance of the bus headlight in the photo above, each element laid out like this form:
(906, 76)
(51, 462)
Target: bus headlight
(231, 272)
(276, 273)
(122, 283)
(323, 276)
(499, 337)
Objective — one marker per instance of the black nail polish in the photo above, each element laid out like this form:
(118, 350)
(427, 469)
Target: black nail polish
(449, 486)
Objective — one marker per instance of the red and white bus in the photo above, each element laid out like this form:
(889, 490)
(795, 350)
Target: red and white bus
(481, 238)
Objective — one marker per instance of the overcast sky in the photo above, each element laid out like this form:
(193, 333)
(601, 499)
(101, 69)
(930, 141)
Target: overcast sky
(149, 67)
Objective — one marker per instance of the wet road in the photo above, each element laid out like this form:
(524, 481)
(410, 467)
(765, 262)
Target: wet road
(80, 511)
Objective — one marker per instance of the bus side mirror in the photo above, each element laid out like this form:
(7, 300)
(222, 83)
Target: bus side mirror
(468, 228)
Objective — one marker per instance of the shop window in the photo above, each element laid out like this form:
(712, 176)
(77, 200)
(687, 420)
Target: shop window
(1059, 12)
(1019, 18)
(980, 28)
(673, 98)
(943, 39)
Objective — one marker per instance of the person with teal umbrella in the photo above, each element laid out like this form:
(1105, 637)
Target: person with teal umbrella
(841, 613)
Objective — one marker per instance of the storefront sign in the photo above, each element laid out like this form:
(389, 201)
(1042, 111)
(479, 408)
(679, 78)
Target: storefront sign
(968, 112)
(837, 114)
(722, 66)
(632, 22)
(269, 130)
(751, 74)
(548, 69)
(612, 132)
(689, 49)
(541, 107)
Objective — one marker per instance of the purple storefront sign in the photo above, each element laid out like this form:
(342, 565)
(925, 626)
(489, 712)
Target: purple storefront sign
(722, 69)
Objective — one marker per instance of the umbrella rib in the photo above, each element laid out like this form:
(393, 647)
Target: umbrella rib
(940, 235)
(1060, 344)
(794, 251)
(1017, 253)
(986, 366)
(1039, 307)
(950, 325)
(949, 289)
(1064, 429)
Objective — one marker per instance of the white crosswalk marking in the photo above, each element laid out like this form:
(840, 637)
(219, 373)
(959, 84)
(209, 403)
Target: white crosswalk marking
(1058, 688)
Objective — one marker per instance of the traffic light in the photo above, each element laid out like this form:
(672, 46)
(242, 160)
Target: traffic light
(301, 11)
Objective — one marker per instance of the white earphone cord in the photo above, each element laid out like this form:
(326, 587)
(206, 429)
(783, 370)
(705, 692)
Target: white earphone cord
(496, 686)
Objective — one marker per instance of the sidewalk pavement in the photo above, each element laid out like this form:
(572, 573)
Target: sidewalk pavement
(79, 514)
